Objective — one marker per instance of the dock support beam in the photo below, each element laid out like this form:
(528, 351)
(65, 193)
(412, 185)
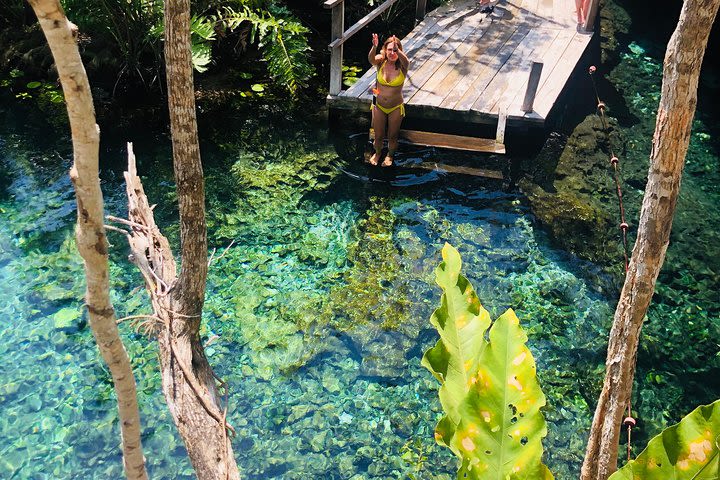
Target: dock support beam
(502, 121)
(533, 82)
(591, 14)
(336, 56)
(420, 10)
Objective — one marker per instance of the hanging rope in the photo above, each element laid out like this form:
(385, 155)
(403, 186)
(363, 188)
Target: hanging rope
(629, 422)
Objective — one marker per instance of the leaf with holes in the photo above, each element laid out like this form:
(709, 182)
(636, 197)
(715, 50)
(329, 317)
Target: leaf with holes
(501, 430)
(688, 450)
(461, 321)
(489, 390)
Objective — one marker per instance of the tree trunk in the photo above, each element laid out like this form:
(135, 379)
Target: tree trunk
(187, 378)
(90, 233)
(667, 158)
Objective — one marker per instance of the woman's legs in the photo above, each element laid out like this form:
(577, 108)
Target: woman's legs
(394, 121)
(586, 10)
(379, 120)
(580, 10)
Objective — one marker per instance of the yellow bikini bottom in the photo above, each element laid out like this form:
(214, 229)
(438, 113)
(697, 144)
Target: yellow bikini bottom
(388, 111)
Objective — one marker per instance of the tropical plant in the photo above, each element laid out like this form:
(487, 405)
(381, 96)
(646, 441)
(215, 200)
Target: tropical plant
(685, 451)
(489, 389)
(491, 399)
(120, 36)
(280, 37)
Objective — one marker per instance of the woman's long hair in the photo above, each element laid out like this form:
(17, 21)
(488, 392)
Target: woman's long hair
(398, 45)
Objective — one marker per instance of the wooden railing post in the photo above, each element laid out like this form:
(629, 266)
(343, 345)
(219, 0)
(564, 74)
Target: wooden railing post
(591, 14)
(532, 86)
(336, 57)
(420, 10)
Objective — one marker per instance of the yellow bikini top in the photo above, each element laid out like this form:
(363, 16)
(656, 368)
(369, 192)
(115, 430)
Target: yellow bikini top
(395, 82)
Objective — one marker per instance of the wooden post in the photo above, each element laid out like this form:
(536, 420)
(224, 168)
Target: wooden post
(336, 57)
(420, 10)
(591, 14)
(502, 121)
(532, 87)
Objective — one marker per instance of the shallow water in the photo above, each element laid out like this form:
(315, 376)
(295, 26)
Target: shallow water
(317, 315)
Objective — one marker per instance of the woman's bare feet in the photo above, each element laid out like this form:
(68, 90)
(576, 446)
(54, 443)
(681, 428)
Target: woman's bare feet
(374, 159)
(387, 162)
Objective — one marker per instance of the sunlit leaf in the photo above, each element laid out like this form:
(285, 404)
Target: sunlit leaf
(688, 450)
(489, 390)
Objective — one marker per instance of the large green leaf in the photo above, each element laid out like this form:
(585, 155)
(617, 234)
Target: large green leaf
(688, 450)
(461, 322)
(489, 391)
(501, 431)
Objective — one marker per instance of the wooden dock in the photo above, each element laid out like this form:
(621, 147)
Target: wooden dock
(469, 66)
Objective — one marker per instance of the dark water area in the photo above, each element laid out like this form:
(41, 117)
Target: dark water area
(317, 314)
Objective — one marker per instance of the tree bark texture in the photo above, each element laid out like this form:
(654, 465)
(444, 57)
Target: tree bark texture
(90, 232)
(681, 73)
(188, 380)
(189, 384)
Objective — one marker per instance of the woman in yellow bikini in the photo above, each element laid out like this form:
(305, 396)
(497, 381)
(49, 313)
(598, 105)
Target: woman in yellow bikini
(389, 109)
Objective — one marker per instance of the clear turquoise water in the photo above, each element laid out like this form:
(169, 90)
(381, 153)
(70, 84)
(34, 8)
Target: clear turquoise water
(317, 315)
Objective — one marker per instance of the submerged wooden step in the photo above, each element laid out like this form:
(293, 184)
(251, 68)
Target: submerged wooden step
(455, 142)
(441, 167)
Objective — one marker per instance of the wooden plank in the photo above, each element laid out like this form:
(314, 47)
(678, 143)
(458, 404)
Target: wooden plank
(420, 6)
(446, 76)
(441, 167)
(331, 3)
(551, 87)
(485, 76)
(564, 14)
(419, 35)
(523, 12)
(502, 123)
(455, 142)
(478, 62)
(545, 12)
(550, 59)
(361, 24)
(362, 86)
(591, 16)
(532, 86)
(336, 58)
(513, 75)
(438, 49)
(485, 95)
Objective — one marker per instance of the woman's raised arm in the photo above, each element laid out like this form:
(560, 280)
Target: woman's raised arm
(372, 57)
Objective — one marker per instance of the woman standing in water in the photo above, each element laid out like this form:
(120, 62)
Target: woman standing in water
(388, 108)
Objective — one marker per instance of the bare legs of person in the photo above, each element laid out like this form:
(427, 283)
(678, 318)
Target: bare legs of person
(379, 123)
(394, 121)
(385, 124)
(581, 9)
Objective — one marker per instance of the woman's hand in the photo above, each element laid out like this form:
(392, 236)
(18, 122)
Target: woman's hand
(375, 40)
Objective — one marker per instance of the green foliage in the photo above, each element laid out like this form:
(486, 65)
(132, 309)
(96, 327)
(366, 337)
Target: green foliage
(202, 35)
(47, 96)
(489, 390)
(281, 39)
(686, 451)
(350, 75)
(121, 36)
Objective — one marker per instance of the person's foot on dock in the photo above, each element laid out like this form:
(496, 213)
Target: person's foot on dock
(374, 159)
(387, 162)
